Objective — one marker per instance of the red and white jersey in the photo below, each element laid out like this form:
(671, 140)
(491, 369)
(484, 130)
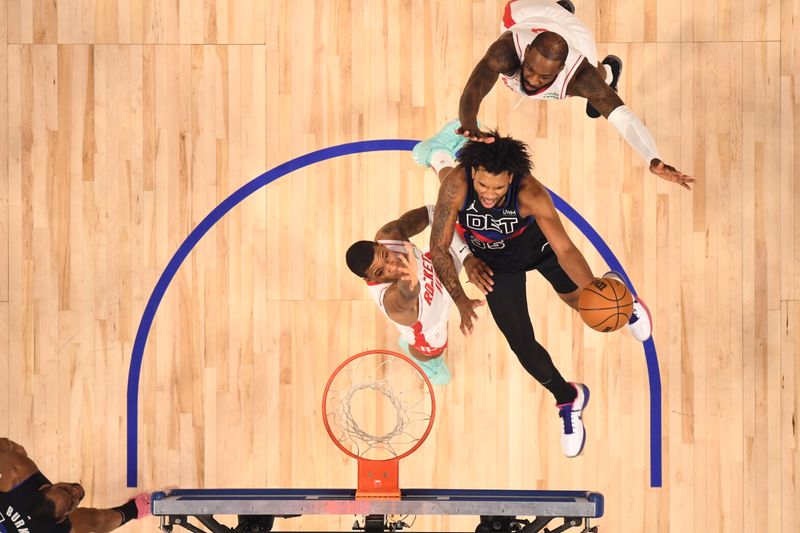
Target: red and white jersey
(526, 19)
(428, 335)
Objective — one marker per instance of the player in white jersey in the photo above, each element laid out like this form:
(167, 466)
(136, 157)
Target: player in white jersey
(525, 21)
(403, 283)
(546, 52)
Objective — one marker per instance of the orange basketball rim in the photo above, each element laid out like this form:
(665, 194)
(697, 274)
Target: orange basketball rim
(391, 394)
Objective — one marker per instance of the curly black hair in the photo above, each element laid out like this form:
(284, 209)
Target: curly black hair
(503, 155)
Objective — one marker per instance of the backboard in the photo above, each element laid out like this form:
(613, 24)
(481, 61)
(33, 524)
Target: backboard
(498, 509)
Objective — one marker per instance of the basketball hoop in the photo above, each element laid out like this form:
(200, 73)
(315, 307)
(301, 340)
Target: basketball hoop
(378, 407)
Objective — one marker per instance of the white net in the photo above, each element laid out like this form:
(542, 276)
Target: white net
(378, 406)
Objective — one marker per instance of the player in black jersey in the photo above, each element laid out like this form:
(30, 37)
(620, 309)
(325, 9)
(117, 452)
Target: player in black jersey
(510, 223)
(29, 503)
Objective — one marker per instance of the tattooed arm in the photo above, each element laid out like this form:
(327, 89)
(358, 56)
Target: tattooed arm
(588, 83)
(452, 193)
(409, 224)
(500, 58)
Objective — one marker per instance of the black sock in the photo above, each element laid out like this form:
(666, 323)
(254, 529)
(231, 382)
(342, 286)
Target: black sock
(128, 511)
(564, 392)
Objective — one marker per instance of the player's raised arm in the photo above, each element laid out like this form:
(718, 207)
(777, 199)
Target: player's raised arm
(500, 58)
(452, 193)
(589, 84)
(409, 224)
(401, 297)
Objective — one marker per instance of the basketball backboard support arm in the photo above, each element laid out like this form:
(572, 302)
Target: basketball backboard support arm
(256, 508)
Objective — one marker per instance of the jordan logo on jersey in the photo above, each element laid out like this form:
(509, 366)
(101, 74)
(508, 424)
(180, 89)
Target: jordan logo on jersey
(472, 207)
(487, 222)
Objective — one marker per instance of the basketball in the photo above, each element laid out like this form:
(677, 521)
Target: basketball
(605, 304)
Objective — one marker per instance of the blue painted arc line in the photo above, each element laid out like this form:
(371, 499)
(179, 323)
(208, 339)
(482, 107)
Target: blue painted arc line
(651, 357)
(189, 243)
(273, 174)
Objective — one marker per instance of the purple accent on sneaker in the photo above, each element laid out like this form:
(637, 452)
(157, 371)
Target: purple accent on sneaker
(565, 414)
(565, 409)
(586, 395)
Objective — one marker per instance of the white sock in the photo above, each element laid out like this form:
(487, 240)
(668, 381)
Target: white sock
(441, 159)
(609, 74)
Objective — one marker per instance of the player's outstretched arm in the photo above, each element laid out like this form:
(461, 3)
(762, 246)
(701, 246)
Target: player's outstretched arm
(452, 193)
(535, 200)
(88, 520)
(409, 224)
(589, 84)
(500, 58)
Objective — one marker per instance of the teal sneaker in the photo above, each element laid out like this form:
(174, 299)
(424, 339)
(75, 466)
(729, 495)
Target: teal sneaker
(447, 139)
(435, 369)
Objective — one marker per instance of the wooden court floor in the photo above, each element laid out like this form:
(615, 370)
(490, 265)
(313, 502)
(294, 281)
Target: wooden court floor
(125, 123)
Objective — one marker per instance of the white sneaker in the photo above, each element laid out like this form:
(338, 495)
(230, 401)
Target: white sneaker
(640, 324)
(573, 434)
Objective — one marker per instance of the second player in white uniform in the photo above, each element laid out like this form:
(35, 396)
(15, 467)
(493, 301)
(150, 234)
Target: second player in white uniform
(428, 335)
(401, 279)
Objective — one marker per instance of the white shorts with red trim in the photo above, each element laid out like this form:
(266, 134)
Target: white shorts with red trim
(430, 340)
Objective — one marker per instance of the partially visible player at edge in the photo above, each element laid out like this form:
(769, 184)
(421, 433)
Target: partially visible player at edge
(30, 503)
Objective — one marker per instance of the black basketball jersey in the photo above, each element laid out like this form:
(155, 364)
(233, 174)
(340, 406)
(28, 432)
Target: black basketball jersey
(14, 509)
(499, 236)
